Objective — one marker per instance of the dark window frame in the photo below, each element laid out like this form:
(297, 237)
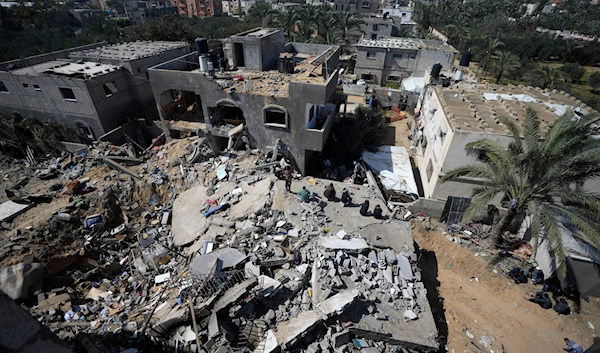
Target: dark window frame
(67, 94)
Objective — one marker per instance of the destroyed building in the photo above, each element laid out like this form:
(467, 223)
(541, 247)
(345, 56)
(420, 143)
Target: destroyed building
(258, 91)
(448, 118)
(95, 88)
(212, 256)
(384, 60)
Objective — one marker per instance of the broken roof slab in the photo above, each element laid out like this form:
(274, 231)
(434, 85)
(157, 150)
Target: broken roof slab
(11, 209)
(188, 224)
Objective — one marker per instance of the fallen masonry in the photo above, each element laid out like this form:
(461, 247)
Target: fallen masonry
(180, 258)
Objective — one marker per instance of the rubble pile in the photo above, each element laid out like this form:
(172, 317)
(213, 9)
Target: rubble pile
(211, 254)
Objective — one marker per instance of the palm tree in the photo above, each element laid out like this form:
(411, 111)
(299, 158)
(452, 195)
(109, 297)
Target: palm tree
(535, 175)
(405, 32)
(260, 10)
(331, 38)
(326, 26)
(546, 77)
(571, 45)
(505, 61)
(347, 21)
(307, 18)
(287, 20)
(492, 45)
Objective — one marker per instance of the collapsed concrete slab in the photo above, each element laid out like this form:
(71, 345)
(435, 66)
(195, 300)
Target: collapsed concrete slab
(338, 302)
(188, 223)
(252, 201)
(233, 294)
(216, 261)
(345, 244)
(287, 331)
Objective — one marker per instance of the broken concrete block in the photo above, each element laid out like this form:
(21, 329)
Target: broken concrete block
(21, 280)
(213, 325)
(340, 338)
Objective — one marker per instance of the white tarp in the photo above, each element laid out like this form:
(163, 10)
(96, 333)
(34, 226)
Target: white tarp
(573, 248)
(392, 163)
(413, 84)
(520, 97)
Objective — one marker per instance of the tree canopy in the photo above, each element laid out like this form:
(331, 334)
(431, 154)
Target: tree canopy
(537, 174)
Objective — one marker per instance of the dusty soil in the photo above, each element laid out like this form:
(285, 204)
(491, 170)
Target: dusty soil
(467, 295)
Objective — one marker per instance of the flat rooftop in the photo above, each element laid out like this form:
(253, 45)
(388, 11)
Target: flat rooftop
(79, 69)
(406, 43)
(128, 51)
(308, 69)
(477, 106)
(257, 33)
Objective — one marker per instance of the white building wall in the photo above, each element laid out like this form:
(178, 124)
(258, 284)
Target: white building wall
(436, 130)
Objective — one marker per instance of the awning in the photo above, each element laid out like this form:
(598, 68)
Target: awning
(392, 164)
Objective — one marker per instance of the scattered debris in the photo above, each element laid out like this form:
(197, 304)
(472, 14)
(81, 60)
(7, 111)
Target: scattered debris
(210, 253)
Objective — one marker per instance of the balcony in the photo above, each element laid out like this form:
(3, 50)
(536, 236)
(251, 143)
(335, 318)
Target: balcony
(317, 137)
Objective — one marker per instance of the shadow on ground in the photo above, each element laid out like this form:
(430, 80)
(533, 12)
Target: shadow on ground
(428, 264)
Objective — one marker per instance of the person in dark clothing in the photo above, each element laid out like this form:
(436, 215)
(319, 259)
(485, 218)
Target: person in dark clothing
(562, 307)
(378, 212)
(536, 275)
(572, 293)
(364, 209)
(329, 192)
(542, 300)
(346, 198)
(287, 175)
(517, 275)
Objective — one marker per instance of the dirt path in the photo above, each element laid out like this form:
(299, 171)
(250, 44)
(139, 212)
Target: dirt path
(471, 297)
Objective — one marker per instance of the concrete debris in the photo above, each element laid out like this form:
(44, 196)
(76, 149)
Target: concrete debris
(22, 280)
(182, 249)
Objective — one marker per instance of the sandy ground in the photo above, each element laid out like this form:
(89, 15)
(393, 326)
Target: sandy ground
(471, 297)
(401, 132)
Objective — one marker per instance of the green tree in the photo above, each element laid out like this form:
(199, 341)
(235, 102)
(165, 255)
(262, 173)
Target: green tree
(505, 61)
(364, 129)
(546, 77)
(307, 22)
(287, 20)
(348, 21)
(594, 81)
(260, 10)
(331, 38)
(574, 71)
(535, 173)
(571, 45)
(492, 46)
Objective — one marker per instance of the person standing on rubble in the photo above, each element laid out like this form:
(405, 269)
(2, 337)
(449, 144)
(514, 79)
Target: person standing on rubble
(287, 175)
(329, 192)
(304, 194)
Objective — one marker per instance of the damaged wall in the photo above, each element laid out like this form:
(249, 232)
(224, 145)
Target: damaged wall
(296, 137)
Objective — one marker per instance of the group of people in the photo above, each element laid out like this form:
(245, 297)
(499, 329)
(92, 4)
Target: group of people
(552, 285)
(330, 194)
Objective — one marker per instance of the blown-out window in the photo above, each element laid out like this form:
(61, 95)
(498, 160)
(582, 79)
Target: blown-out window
(275, 117)
(110, 88)
(366, 4)
(67, 94)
